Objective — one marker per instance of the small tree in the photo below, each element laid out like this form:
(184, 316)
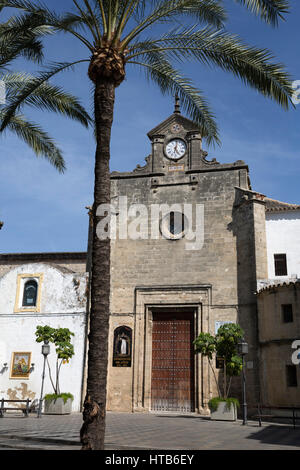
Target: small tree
(224, 345)
(61, 337)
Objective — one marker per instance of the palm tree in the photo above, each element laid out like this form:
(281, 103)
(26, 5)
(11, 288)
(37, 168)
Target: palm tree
(21, 36)
(120, 33)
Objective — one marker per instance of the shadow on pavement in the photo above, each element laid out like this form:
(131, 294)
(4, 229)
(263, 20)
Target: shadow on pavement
(278, 435)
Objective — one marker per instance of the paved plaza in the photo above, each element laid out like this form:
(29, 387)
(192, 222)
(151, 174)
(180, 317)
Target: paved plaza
(126, 431)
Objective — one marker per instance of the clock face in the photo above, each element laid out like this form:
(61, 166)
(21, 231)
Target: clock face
(175, 149)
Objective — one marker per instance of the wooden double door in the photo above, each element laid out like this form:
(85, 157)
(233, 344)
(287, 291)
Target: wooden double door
(172, 387)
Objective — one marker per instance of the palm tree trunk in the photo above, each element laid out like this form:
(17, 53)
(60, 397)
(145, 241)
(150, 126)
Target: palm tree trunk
(93, 429)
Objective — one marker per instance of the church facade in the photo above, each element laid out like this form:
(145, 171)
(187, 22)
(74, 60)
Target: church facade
(171, 282)
(192, 249)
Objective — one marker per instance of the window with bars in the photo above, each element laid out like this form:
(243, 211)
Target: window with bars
(280, 264)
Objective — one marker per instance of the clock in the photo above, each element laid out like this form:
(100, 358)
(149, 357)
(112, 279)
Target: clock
(175, 149)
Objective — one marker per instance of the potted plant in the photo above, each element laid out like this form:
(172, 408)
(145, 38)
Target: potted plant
(224, 346)
(57, 402)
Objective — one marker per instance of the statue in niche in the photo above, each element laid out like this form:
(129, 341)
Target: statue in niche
(122, 347)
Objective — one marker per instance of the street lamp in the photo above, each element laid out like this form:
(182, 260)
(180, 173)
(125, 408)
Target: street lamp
(45, 352)
(243, 350)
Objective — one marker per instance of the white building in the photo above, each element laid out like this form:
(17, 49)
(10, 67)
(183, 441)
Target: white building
(278, 303)
(49, 292)
(283, 240)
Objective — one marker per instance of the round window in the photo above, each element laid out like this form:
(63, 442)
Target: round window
(174, 225)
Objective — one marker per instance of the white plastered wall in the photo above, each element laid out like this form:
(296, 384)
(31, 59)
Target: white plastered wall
(62, 305)
(283, 236)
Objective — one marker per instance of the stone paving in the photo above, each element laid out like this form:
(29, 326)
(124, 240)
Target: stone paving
(136, 431)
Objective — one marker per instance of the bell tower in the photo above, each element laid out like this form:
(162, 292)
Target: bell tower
(176, 144)
(176, 149)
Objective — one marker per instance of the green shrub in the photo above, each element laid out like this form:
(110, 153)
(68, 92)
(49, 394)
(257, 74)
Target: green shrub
(61, 337)
(214, 403)
(225, 346)
(54, 397)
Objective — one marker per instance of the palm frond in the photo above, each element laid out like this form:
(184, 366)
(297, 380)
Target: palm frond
(37, 139)
(36, 91)
(66, 22)
(90, 19)
(170, 81)
(21, 36)
(106, 20)
(253, 66)
(208, 11)
(25, 5)
(47, 97)
(269, 10)
(31, 49)
(26, 23)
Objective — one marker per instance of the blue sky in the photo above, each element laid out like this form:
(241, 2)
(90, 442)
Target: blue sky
(45, 211)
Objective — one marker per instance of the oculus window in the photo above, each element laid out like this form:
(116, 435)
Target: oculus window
(174, 225)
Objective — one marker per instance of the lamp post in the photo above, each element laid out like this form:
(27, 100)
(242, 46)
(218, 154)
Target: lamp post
(243, 350)
(45, 352)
